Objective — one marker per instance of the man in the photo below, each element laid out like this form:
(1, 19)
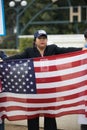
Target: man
(82, 119)
(85, 36)
(41, 49)
(2, 57)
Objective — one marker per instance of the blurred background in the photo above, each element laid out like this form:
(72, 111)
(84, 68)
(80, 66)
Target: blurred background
(57, 17)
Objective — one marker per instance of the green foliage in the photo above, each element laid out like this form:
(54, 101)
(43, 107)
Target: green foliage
(9, 42)
(24, 43)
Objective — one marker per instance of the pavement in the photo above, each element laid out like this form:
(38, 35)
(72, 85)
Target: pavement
(16, 127)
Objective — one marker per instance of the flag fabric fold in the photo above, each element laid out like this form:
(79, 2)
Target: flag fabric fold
(51, 86)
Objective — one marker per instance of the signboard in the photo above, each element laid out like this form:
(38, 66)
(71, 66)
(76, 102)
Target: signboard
(2, 20)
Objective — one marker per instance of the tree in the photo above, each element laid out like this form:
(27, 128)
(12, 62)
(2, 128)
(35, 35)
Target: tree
(32, 14)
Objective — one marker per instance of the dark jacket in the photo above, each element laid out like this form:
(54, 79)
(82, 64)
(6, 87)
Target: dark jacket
(2, 55)
(50, 50)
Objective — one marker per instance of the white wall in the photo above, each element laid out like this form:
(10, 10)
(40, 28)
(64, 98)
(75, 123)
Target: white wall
(67, 40)
(76, 40)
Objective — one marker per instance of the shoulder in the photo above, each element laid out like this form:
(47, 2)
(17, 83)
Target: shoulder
(1, 52)
(2, 55)
(52, 46)
(29, 52)
(29, 49)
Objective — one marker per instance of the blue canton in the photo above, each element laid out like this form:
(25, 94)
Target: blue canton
(18, 76)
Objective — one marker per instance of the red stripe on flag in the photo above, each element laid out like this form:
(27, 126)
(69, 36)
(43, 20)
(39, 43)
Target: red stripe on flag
(62, 66)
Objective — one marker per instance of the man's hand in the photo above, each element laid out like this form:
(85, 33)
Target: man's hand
(84, 48)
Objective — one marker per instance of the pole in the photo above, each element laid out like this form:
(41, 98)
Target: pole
(17, 10)
(17, 29)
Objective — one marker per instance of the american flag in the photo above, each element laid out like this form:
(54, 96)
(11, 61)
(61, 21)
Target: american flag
(49, 86)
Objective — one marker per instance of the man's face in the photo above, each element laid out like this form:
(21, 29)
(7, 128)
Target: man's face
(41, 41)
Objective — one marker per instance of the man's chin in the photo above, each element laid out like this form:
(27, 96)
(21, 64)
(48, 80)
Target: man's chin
(43, 46)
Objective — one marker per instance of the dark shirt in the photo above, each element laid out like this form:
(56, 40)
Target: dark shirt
(50, 50)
